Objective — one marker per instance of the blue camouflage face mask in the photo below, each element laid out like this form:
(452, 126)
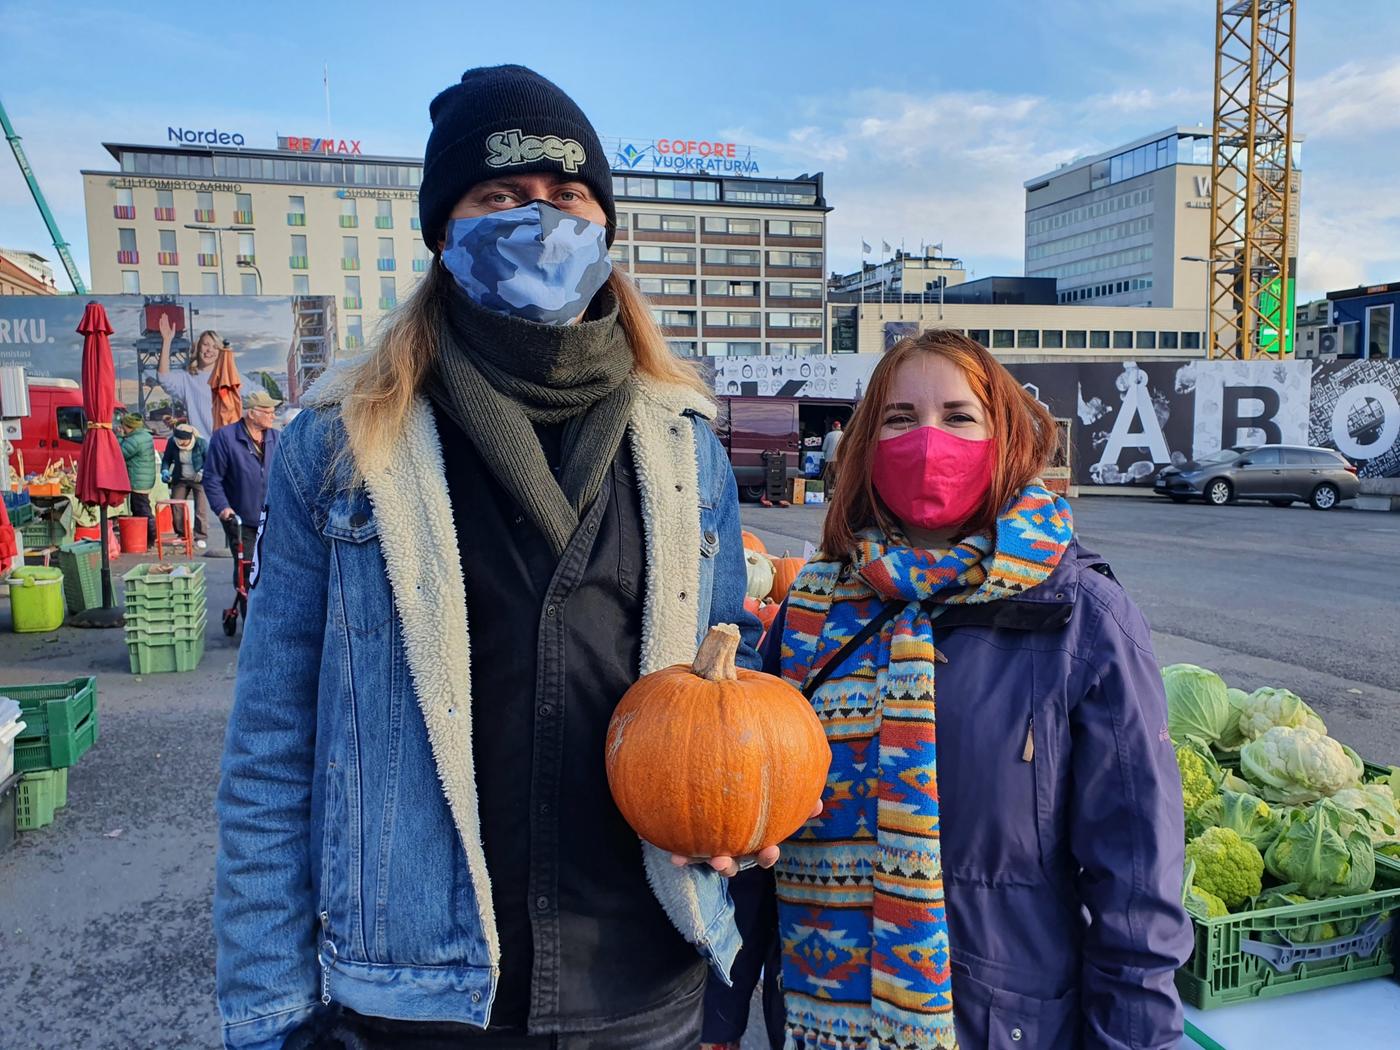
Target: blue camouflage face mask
(534, 262)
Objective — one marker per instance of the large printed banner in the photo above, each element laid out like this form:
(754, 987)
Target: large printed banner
(280, 343)
(1130, 419)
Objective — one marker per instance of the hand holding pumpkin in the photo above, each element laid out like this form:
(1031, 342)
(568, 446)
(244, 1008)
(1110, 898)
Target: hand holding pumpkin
(730, 866)
(706, 760)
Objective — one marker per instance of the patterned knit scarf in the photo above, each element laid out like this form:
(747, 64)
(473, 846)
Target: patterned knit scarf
(865, 938)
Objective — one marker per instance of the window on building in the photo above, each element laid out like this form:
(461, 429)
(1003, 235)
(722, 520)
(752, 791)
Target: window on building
(788, 228)
(1028, 339)
(1147, 340)
(731, 257)
(784, 319)
(732, 289)
(1075, 340)
(350, 248)
(386, 247)
(1003, 339)
(208, 284)
(622, 220)
(1122, 340)
(384, 213)
(248, 284)
(352, 293)
(126, 240)
(243, 207)
(675, 318)
(681, 347)
(349, 210)
(668, 256)
(299, 245)
(1098, 339)
(167, 240)
(354, 331)
(665, 286)
(1167, 340)
(731, 319)
(125, 199)
(980, 336)
(204, 204)
(794, 290)
(733, 227)
(667, 223)
(388, 294)
(806, 260)
(1190, 340)
(301, 284)
(618, 254)
(296, 205)
(208, 244)
(169, 282)
(1052, 339)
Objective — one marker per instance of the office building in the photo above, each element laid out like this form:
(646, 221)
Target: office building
(734, 263)
(903, 274)
(25, 273)
(1112, 228)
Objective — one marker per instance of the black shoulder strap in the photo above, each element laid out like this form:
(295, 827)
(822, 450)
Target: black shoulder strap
(885, 615)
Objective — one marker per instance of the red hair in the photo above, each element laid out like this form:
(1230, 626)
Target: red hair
(1023, 430)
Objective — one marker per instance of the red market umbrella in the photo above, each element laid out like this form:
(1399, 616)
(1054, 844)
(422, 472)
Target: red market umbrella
(225, 388)
(102, 477)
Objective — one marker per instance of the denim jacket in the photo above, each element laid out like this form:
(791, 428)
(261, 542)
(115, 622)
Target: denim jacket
(350, 865)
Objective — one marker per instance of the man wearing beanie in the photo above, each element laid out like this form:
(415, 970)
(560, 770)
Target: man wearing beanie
(139, 451)
(492, 525)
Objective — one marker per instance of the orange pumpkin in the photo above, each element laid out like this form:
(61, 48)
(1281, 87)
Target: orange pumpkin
(753, 543)
(706, 760)
(751, 606)
(785, 570)
(767, 613)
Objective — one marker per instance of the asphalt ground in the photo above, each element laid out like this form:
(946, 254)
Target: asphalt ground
(105, 938)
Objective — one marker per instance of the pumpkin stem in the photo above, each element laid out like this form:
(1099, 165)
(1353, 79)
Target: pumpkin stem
(715, 660)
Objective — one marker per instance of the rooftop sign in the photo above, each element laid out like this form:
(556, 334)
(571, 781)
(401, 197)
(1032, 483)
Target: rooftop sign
(681, 156)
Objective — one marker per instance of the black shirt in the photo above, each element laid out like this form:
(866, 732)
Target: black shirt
(555, 643)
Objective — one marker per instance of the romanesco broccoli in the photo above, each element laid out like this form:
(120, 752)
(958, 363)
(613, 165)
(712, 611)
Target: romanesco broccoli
(1196, 782)
(1226, 865)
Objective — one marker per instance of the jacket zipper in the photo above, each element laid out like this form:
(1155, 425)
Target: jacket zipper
(1028, 752)
(325, 966)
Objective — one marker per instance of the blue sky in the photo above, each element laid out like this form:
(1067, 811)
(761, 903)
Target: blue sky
(926, 116)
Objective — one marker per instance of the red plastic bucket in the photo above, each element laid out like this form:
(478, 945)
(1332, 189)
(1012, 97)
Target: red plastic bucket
(87, 532)
(135, 534)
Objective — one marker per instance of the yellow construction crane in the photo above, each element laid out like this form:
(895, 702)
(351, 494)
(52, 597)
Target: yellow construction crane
(1254, 181)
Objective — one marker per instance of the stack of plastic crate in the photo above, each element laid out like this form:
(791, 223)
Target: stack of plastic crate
(60, 725)
(166, 614)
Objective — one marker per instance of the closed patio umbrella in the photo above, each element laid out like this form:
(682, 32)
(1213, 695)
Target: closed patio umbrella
(225, 386)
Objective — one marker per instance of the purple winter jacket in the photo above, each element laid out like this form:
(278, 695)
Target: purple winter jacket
(1063, 873)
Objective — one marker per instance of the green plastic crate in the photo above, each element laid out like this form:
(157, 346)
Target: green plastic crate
(60, 722)
(183, 630)
(185, 606)
(42, 533)
(139, 581)
(165, 657)
(41, 792)
(81, 563)
(22, 514)
(1255, 955)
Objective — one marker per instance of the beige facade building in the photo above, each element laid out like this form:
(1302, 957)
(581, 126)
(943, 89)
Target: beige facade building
(734, 265)
(1028, 332)
(1112, 228)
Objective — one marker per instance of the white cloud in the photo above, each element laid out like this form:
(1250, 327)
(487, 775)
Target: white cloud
(1352, 101)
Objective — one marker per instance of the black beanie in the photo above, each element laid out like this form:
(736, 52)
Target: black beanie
(499, 121)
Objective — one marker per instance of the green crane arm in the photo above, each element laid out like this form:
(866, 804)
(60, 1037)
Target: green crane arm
(60, 245)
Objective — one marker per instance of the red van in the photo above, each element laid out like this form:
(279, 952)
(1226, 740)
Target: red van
(54, 427)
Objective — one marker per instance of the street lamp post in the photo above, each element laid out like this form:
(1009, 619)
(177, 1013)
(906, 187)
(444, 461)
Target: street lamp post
(219, 231)
(256, 272)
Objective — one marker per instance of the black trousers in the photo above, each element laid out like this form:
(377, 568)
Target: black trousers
(671, 1026)
(727, 1006)
(140, 504)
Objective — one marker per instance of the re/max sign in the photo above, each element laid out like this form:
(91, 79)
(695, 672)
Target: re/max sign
(308, 145)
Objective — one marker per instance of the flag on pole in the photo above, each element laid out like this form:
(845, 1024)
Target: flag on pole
(886, 246)
(865, 248)
(938, 247)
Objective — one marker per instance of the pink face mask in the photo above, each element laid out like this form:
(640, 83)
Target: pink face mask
(932, 479)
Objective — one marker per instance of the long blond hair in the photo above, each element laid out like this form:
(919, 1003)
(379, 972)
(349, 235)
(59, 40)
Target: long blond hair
(192, 367)
(384, 384)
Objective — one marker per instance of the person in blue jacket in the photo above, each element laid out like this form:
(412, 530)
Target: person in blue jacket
(999, 859)
(237, 467)
(477, 537)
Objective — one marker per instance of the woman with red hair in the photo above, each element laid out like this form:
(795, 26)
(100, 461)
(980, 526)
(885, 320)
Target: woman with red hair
(999, 857)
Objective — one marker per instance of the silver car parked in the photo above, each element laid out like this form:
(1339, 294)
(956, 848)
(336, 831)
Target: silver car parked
(1281, 474)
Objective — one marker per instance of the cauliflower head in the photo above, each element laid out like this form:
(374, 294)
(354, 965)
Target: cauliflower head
(1226, 865)
(1197, 783)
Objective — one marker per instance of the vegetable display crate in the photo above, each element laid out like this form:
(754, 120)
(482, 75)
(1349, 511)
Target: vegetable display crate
(21, 515)
(60, 722)
(186, 605)
(1279, 951)
(140, 583)
(168, 651)
(81, 563)
(41, 793)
